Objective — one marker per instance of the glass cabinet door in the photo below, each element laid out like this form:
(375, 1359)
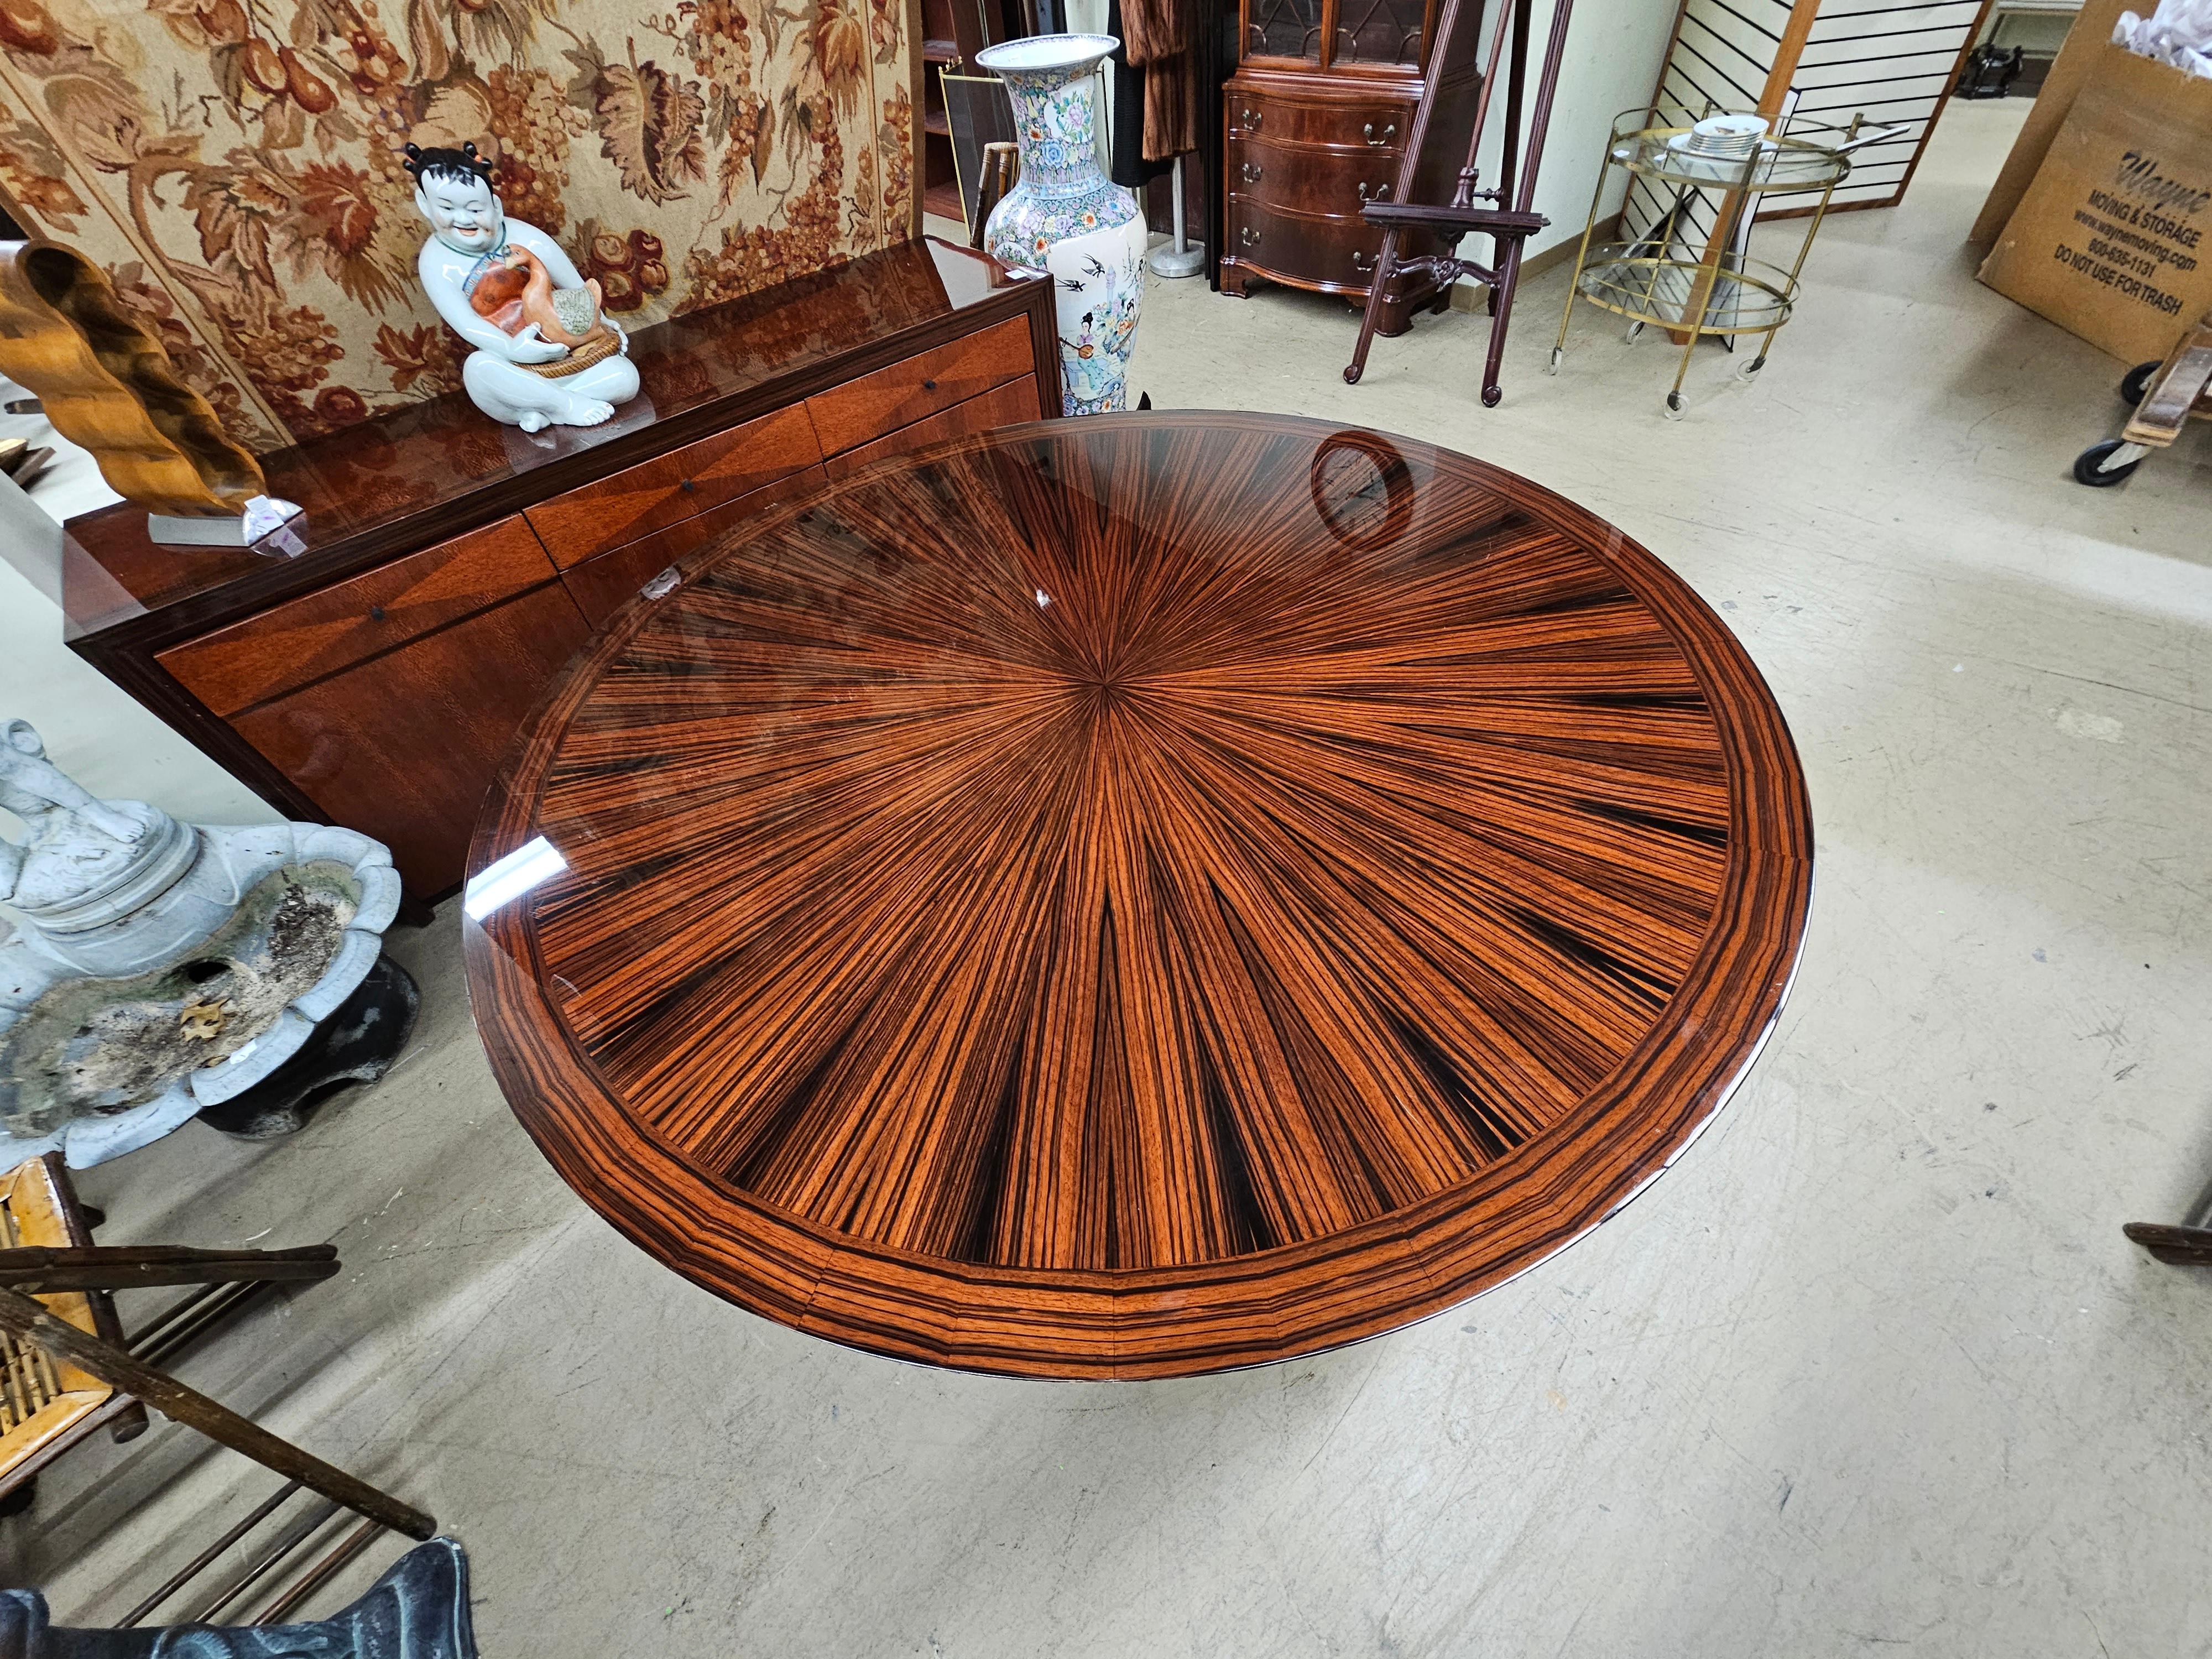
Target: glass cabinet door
(1284, 28)
(1380, 31)
(1323, 32)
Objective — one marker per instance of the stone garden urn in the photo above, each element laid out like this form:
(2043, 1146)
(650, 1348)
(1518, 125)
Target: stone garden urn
(159, 970)
(1064, 218)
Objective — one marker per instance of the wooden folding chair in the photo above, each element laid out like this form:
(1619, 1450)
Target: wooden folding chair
(45, 1407)
(69, 1369)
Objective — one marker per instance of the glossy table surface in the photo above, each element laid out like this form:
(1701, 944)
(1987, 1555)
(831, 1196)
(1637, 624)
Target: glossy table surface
(1139, 896)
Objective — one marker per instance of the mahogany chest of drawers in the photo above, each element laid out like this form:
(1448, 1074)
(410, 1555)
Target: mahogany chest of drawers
(451, 565)
(1318, 116)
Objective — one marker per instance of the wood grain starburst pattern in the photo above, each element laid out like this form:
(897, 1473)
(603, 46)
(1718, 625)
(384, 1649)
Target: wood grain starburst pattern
(1145, 895)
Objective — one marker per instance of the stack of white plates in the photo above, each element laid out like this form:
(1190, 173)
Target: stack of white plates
(1721, 137)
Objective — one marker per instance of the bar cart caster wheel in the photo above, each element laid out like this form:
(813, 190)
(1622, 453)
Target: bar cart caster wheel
(1749, 371)
(1634, 329)
(1559, 356)
(2090, 466)
(1351, 375)
(1677, 406)
(2135, 384)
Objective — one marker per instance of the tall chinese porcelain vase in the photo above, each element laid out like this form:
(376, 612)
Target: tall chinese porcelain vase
(1067, 219)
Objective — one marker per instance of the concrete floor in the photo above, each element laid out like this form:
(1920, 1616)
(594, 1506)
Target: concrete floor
(1872, 1370)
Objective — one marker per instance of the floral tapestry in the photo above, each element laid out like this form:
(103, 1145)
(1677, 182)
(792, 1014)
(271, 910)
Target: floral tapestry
(235, 165)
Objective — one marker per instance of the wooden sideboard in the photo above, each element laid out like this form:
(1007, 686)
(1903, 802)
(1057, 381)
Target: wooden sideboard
(451, 565)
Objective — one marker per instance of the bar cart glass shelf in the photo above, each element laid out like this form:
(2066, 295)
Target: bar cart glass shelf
(1722, 290)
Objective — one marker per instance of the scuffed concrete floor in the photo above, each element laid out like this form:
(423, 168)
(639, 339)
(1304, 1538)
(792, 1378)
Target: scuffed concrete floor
(1872, 1370)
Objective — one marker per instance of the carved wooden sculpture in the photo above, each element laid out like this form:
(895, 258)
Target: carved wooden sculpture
(109, 386)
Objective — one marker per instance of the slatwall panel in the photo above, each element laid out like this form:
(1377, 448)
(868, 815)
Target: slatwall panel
(1724, 51)
(1893, 59)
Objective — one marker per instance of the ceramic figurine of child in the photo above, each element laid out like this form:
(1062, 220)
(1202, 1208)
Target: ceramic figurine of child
(546, 354)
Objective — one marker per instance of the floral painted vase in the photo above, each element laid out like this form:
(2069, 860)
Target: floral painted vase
(1066, 218)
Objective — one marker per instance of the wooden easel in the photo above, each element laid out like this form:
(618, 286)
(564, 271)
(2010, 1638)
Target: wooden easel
(1509, 228)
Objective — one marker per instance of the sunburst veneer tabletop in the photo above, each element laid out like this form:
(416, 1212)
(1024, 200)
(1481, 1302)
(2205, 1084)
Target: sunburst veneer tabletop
(1140, 895)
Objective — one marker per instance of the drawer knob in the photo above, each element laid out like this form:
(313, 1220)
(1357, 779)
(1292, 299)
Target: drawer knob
(1388, 133)
(1248, 236)
(929, 386)
(688, 484)
(376, 613)
(1379, 193)
(1252, 119)
(1252, 170)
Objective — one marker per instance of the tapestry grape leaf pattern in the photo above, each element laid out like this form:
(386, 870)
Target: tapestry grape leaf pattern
(235, 165)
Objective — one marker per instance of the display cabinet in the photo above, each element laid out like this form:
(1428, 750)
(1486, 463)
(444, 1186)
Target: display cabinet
(1317, 117)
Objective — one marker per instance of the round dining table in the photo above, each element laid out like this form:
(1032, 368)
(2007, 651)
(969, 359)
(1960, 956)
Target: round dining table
(1138, 896)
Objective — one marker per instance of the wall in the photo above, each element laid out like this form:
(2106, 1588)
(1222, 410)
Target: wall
(1612, 63)
(235, 164)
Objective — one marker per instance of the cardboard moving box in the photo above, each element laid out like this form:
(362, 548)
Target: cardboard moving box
(2110, 241)
(2085, 42)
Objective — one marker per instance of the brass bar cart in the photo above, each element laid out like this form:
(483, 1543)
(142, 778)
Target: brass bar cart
(1721, 290)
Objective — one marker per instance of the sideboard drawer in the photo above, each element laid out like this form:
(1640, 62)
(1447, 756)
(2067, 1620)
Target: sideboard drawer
(1381, 125)
(676, 486)
(602, 586)
(1311, 180)
(281, 649)
(403, 748)
(862, 411)
(1002, 406)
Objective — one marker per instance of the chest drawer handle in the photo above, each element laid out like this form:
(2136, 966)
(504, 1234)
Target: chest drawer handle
(1363, 264)
(688, 485)
(376, 613)
(1390, 132)
(1252, 170)
(1252, 119)
(929, 386)
(1380, 194)
(1248, 236)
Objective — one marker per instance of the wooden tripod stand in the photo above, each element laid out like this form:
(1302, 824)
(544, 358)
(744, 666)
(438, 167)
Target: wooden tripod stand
(1508, 227)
